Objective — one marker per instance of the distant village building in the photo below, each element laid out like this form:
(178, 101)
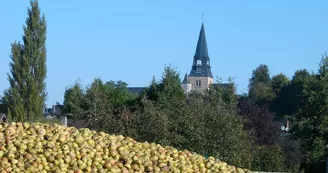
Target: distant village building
(56, 112)
(3, 118)
(136, 90)
(3, 112)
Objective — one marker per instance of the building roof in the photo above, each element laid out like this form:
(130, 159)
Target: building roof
(185, 79)
(56, 110)
(201, 65)
(222, 85)
(77, 123)
(136, 90)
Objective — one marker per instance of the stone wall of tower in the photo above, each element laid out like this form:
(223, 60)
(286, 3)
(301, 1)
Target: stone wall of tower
(186, 87)
(204, 81)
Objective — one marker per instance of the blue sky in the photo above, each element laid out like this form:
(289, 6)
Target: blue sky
(133, 40)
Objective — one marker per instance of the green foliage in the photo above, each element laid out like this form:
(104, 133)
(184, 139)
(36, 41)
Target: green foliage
(206, 123)
(26, 95)
(168, 89)
(323, 66)
(301, 76)
(262, 93)
(213, 128)
(166, 102)
(152, 123)
(295, 90)
(152, 91)
(103, 106)
(280, 105)
(260, 74)
(289, 98)
(223, 94)
(279, 82)
(310, 124)
(118, 93)
(74, 102)
(268, 158)
(260, 88)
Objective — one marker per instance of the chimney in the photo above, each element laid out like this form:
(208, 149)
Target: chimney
(287, 124)
(45, 108)
(54, 110)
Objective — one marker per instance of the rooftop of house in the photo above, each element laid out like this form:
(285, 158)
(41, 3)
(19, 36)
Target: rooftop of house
(185, 79)
(56, 110)
(77, 124)
(137, 90)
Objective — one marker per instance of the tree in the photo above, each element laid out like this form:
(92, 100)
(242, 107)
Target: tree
(99, 108)
(268, 158)
(205, 122)
(259, 122)
(148, 117)
(279, 82)
(287, 102)
(261, 93)
(103, 106)
(168, 90)
(223, 94)
(260, 74)
(27, 92)
(260, 88)
(216, 130)
(170, 85)
(152, 90)
(293, 153)
(301, 76)
(75, 102)
(310, 124)
(323, 66)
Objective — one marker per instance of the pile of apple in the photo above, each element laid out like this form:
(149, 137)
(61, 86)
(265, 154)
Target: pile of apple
(38, 147)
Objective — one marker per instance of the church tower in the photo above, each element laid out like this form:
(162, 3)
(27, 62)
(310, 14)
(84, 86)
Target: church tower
(186, 85)
(200, 76)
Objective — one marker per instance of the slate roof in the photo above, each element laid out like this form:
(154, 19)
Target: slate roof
(77, 123)
(185, 79)
(203, 69)
(201, 50)
(56, 110)
(223, 85)
(137, 90)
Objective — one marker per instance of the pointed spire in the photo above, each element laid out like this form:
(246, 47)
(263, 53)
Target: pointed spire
(201, 63)
(185, 79)
(201, 50)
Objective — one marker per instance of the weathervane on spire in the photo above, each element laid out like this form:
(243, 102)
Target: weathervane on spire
(203, 18)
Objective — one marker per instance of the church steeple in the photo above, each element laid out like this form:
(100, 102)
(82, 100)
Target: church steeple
(201, 63)
(201, 50)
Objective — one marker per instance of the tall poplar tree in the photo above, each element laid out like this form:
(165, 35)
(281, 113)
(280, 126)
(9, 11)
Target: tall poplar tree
(27, 93)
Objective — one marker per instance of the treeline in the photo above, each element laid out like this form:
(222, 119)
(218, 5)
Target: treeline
(216, 122)
(241, 129)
